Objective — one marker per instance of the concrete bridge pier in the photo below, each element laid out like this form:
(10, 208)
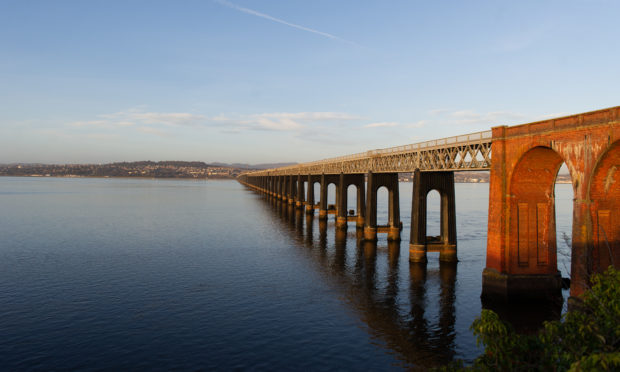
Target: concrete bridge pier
(419, 243)
(370, 224)
(341, 203)
(272, 186)
(323, 198)
(361, 202)
(326, 180)
(344, 181)
(374, 182)
(281, 187)
(310, 196)
(299, 194)
(291, 189)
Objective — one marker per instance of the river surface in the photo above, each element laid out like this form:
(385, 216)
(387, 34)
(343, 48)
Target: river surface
(127, 274)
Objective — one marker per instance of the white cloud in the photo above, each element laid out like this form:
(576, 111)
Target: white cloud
(100, 123)
(155, 131)
(417, 124)
(275, 121)
(494, 118)
(136, 117)
(388, 124)
(282, 121)
(382, 124)
(471, 117)
(174, 118)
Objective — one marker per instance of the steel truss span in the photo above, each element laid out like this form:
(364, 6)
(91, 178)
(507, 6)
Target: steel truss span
(460, 153)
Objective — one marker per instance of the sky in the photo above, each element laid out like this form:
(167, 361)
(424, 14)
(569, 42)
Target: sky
(266, 81)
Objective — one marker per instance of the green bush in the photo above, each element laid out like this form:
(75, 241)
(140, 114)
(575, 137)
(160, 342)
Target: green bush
(586, 339)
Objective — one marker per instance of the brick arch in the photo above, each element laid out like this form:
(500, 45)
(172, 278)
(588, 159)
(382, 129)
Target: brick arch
(532, 212)
(604, 194)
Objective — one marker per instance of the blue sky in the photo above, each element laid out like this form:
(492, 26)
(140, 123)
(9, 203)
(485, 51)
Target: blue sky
(291, 80)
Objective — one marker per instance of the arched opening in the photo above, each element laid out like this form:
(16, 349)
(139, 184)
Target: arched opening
(331, 197)
(564, 199)
(605, 212)
(352, 201)
(317, 192)
(532, 213)
(383, 197)
(433, 216)
(305, 189)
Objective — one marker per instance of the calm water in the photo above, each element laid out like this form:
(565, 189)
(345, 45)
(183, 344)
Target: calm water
(150, 274)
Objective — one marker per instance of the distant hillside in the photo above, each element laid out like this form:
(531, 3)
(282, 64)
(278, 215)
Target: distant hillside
(146, 169)
(253, 166)
(165, 163)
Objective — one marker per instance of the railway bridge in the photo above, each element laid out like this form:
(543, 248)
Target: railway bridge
(523, 161)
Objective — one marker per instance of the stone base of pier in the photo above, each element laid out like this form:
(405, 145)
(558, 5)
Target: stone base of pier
(447, 253)
(417, 253)
(511, 287)
(393, 233)
(370, 233)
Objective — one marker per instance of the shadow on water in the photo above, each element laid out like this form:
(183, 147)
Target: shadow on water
(527, 317)
(373, 286)
(408, 308)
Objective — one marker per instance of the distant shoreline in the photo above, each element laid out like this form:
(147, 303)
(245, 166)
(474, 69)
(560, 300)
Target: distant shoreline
(460, 177)
(139, 169)
(123, 177)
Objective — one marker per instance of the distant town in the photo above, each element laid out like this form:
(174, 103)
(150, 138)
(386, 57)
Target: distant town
(144, 169)
(182, 169)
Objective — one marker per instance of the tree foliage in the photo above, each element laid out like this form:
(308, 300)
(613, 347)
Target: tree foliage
(586, 339)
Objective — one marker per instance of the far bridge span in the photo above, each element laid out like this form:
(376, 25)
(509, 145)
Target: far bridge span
(523, 160)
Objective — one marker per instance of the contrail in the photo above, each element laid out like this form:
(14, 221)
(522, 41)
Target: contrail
(274, 19)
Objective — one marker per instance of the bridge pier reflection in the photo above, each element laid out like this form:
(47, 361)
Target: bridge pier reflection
(372, 285)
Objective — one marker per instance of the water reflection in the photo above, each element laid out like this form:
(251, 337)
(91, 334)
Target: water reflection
(395, 307)
(527, 317)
